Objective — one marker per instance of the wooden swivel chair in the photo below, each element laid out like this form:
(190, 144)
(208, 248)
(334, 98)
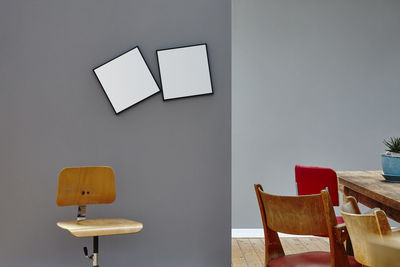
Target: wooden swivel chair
(361, 226)
(301, 215)
(82, 186)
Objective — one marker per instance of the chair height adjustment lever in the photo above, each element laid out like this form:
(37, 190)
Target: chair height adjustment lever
(85, 251)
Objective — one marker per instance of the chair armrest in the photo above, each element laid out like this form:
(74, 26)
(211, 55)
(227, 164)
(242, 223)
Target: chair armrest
(341, 233)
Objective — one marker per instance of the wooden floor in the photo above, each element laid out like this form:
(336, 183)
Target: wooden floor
(250, 252)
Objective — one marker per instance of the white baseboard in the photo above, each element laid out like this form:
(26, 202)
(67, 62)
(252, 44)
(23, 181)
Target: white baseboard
(255, 233)
(259, 233)
(247, 233)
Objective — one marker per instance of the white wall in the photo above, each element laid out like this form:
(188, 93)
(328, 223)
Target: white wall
(315, 82)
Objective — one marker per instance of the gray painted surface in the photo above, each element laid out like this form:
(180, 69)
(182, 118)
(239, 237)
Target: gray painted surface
(171, 159)
(314, 82)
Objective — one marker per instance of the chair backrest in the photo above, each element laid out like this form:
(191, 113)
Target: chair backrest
(299, 215)
(86, 185)
(360, 226)
(311, 180)
(384, 251)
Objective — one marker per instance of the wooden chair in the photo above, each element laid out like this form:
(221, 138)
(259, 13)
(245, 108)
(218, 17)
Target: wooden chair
(301, 215)
(360, 226)
(384, 251)
(311, 180)
(82, 186)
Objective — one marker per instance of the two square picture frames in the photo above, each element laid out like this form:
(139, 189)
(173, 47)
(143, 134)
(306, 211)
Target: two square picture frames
(127, 79)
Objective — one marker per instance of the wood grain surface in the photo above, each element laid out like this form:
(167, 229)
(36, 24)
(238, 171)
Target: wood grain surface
(300, 215)
(361, 226)
(371, 189)
(101, 227)
(86, 185)
(250, 252)
(385, 251)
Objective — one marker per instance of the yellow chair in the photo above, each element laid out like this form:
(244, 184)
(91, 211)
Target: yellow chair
(82, 186)
(361, 226)
(385, 251)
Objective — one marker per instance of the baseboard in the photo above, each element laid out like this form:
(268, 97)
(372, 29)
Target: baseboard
(255, 233)
(259, 233)
(247, 233)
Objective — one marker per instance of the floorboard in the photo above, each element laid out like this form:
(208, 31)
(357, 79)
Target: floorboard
(249, 252)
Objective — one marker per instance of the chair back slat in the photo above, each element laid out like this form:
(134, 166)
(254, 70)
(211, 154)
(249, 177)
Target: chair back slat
(86, 185)
(298, 215)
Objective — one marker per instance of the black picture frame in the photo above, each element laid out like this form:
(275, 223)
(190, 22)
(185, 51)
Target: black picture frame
(209, 71)
(119, 55)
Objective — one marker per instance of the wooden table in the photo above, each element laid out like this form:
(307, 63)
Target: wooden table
(371, 189)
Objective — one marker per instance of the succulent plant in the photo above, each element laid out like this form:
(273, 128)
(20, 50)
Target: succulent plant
(393, 144)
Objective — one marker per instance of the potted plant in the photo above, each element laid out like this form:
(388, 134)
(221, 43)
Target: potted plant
(391, 159)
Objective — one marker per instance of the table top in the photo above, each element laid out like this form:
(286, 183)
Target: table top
(373, 185)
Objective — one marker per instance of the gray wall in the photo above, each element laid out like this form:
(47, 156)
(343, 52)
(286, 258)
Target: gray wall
(171, 159)
(314, 82)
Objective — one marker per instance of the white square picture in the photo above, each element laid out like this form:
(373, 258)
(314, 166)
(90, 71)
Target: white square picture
(184, 71)
(126, 80)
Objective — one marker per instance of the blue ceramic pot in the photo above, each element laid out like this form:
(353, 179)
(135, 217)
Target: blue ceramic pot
(391, 164)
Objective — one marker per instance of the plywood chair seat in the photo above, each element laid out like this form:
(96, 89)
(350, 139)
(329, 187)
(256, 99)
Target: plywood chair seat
(101, 227)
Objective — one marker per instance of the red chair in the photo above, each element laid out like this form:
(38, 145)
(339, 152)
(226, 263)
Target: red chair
(311, 180)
